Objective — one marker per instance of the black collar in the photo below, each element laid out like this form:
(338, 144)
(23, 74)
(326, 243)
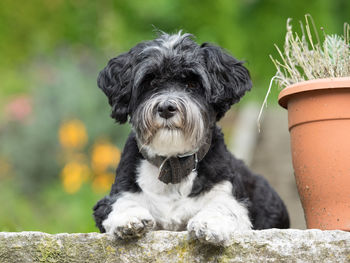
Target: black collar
(174, 168)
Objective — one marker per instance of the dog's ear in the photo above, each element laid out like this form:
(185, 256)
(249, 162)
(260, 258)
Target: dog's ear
(115, 81)
(229, 79)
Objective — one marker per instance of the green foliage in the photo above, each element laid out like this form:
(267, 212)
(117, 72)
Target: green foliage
(32, 193)
(248, 29)
(67, 90)
(52, 210)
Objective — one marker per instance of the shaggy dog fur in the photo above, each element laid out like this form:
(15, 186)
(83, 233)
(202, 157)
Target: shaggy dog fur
(174, 91)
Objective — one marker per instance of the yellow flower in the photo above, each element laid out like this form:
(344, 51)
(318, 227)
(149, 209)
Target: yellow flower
(72, 134)
(73, 175)
(104, 155)
(102, 183)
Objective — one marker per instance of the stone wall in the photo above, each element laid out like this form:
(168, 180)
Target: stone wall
(162, 246)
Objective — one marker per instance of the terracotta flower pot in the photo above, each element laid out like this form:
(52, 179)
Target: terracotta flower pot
(319, 126)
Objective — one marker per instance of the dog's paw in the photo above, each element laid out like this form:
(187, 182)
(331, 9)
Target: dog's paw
(215, 230)
(130, 224)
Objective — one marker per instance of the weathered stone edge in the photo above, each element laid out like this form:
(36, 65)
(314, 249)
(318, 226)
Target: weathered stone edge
(163, 246)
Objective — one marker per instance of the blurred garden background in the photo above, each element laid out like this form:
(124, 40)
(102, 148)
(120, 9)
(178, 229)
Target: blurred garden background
(58, 146)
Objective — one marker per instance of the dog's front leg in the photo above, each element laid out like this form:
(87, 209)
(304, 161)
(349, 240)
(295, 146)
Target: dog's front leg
(128, 218)
(223, 216)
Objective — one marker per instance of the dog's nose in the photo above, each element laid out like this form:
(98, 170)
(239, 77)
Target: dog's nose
(166, 109)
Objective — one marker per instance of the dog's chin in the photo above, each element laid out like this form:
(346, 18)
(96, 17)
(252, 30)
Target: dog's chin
(170, 142)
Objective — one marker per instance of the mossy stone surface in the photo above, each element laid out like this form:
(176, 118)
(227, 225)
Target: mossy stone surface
(163, 246)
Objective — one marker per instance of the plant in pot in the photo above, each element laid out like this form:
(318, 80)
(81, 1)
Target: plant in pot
(315, 79)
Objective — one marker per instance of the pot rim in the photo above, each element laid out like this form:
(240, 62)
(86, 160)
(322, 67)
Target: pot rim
(309, 85)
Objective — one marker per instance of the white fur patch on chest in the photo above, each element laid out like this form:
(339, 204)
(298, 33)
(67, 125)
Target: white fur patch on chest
(169, 204)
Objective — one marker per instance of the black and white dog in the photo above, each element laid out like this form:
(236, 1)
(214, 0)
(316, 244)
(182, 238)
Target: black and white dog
(175, 172)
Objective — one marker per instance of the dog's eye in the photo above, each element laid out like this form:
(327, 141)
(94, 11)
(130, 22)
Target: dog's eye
(152, 83)
(150, 80)
(191, 85)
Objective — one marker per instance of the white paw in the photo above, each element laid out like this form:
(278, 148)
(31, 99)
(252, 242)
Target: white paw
(129, 224)
(216, 230)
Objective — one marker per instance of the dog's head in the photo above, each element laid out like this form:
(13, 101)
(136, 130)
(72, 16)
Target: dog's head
(173, 90)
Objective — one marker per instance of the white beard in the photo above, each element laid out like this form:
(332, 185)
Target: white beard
(170, 143)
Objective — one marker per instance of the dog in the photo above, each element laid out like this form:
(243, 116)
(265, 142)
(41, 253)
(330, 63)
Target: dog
(175, 171)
